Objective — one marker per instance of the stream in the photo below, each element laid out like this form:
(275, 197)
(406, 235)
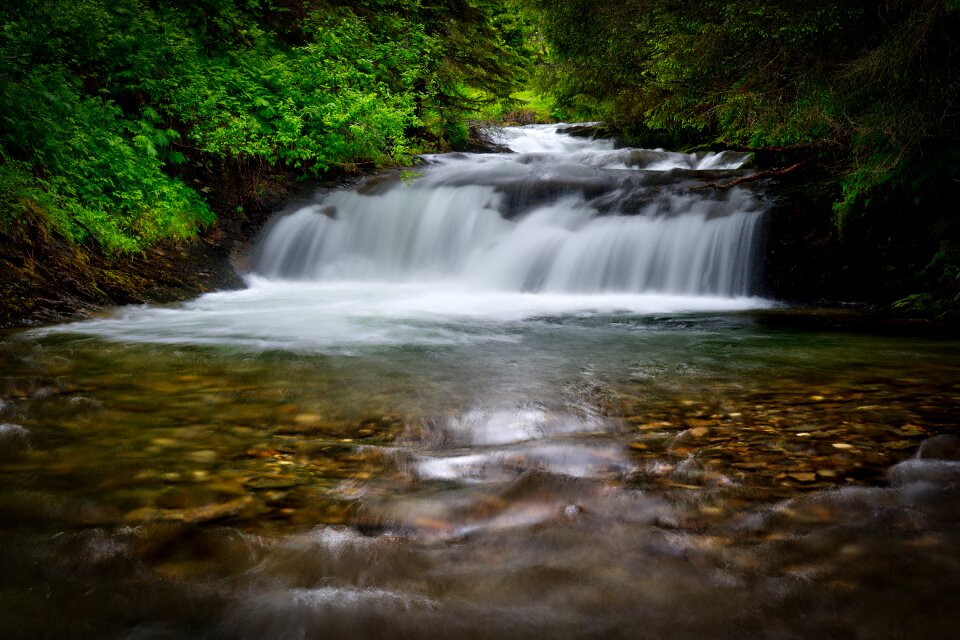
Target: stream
(529, 394)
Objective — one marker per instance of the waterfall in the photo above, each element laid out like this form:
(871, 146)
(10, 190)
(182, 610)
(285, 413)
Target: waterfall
(559, 214)
(480, 248)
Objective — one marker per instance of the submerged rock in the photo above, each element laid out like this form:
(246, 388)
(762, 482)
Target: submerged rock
(942, 447)
(14, 440)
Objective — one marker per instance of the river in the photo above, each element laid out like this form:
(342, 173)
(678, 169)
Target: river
(529, 394)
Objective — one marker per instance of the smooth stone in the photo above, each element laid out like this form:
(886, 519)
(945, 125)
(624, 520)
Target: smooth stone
(14, 439)
(273, 482)
(942, 447)
(203, 456)
(206, 513)
(184, 497)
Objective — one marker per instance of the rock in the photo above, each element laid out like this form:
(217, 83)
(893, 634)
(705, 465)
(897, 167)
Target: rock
(273, 482)
(204, 456)
(941, 473)
(942, 447)
(206, 513)
(14, 440)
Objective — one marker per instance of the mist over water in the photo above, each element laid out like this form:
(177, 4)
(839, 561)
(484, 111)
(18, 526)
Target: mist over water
(529, 394)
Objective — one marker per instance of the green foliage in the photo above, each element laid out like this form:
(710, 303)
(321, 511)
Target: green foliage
(871, 83)
(93, 172)
(307, 107)
(108, 102)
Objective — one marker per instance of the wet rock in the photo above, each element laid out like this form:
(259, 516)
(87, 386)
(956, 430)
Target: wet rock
(942, 447)
(941, 473)
(194, 515)
(14, 440)
(271, 482)
(187, 497)
(698, 432)
(204, 456)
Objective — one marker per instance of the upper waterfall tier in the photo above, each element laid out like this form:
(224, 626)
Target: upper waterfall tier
(559, 214)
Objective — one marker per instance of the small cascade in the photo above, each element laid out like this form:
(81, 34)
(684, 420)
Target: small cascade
(560, 214)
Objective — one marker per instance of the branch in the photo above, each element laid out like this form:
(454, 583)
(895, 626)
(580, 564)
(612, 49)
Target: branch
(750, 178)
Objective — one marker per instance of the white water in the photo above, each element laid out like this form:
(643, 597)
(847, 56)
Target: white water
(530, 221)
(561, 226)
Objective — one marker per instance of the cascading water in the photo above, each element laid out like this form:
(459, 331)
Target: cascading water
(469, 407)
(559, 215)
(559, 227)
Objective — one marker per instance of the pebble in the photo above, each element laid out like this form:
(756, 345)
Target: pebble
(203, 456)
(273, 482)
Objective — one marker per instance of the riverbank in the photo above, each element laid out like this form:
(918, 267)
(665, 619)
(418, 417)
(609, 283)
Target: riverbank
(46, 278)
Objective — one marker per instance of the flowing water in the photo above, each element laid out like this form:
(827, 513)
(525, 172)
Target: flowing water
(534, 393)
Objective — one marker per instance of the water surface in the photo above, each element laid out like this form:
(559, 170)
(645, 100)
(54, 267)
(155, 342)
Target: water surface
(415, 443)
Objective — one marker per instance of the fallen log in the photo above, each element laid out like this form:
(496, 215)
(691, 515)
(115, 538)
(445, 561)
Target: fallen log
(766, 173)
